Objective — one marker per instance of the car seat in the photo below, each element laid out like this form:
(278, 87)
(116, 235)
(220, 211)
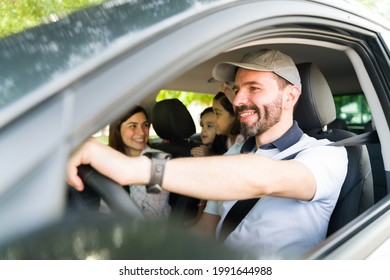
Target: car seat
(339, 124)
(315, 110)
(174, 124)
(378, 168)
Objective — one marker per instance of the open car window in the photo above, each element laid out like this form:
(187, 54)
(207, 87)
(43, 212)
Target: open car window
(62, 82)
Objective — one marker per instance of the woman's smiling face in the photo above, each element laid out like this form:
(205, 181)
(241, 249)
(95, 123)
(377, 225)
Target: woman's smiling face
(135, 133)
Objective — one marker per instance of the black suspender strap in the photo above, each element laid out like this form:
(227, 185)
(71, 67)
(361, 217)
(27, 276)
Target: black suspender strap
(242, 207)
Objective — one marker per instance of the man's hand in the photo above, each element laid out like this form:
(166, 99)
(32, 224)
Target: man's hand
(122, 169)
(81, 156)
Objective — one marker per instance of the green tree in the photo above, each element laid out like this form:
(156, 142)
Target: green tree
(186, 97)
(17, 15)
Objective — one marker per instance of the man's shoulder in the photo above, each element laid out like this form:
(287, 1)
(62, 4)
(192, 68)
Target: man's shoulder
(309, 144)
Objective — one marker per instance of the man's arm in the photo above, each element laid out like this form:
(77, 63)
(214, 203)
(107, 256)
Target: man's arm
(217, 177)
(237, 177)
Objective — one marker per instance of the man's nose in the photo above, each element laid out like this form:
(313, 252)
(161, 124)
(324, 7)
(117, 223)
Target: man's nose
(240, 98)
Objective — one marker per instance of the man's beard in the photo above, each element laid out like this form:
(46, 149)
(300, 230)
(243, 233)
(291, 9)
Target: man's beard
(272, 114)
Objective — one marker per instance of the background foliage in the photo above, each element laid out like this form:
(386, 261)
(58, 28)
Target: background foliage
(188, 98)
(16, 15)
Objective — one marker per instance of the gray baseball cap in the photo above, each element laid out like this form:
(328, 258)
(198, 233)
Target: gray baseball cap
(261, 60)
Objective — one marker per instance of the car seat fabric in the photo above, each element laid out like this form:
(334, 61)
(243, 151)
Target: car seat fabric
(174, 124)
(315, 110)
(338, 123)
(378, 168)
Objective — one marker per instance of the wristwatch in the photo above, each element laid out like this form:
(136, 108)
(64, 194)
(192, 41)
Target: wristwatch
(157, 171)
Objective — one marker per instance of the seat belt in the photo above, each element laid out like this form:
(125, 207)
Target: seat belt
(369, 137)
(242, 207)
(235, 215)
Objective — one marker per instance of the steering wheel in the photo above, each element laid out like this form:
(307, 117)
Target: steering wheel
(111, 192)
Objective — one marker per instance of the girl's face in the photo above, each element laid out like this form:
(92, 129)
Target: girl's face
(135, 133)
(224, 121)
(207, 123)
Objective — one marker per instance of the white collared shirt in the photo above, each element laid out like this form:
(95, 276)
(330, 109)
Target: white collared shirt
(283, 228)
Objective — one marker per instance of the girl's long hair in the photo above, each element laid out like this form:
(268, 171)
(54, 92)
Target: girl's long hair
(218, 147)
(221, 97)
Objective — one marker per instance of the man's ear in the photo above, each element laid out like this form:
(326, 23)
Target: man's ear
(293, 92)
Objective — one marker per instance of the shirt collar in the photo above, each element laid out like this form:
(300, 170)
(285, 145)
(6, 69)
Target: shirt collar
(289, 138)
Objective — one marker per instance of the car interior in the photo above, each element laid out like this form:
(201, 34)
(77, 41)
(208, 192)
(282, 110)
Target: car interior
(322, 80)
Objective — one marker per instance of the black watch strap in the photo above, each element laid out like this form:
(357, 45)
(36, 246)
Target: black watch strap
(157, 171)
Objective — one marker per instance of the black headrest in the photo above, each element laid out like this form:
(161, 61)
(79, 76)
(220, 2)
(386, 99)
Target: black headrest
(315, 107)
(172, 121)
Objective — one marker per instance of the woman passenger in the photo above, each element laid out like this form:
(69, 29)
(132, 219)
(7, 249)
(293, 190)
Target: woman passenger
(130, 136)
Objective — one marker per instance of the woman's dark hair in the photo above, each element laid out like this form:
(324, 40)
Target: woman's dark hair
(221, 97)
(115, 139)
(218, 147)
